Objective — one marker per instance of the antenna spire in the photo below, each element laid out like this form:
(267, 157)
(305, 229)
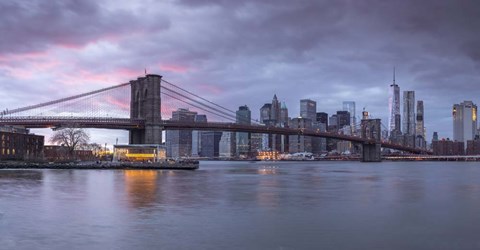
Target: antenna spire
(394, 75)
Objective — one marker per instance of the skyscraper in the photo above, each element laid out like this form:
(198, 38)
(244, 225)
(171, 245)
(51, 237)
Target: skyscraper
(464, 121)
(265, 112)
(197, 136)
(420, 140)
(179, 142)
(283, 115)
(420, 123)
(322, 117)
(350, 107)
(394, 108)
(243, 116)
(308, 109)
(343, 119)
(409, 112)
(275, 111)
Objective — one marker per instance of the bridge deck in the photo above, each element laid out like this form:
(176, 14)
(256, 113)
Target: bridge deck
(127, 123)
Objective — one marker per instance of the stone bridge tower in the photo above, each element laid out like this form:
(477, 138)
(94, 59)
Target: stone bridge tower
(371, 151)
(145, 103)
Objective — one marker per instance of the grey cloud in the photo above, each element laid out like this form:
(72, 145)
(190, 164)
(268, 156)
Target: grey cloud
(31, 26)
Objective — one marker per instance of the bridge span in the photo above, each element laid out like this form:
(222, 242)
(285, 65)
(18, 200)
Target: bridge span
(132, 124)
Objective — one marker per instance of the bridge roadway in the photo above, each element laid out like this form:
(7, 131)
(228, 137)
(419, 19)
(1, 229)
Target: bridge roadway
(128, 124)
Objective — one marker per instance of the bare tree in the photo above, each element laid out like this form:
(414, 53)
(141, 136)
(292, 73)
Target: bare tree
(71, 138)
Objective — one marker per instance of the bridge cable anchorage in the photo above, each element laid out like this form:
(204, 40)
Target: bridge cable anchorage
(17, 110)
(206, 110)
(198, 102)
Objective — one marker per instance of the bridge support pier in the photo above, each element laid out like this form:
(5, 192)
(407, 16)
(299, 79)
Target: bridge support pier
(371, 152)
(145, 104)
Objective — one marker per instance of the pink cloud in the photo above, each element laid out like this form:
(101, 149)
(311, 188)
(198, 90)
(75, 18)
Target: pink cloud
(119, 103)
(173, 68)
(210, 89)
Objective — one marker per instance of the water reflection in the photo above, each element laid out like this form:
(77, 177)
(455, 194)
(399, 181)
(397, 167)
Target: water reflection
(141, 187)
(27, 181)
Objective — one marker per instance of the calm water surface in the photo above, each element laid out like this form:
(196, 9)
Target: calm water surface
(241, 205)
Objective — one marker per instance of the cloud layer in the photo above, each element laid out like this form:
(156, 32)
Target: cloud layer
(243, 52)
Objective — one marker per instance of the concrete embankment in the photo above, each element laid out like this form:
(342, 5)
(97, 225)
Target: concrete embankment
(184, 165)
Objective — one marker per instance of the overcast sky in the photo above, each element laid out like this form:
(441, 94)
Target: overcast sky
(242, 52)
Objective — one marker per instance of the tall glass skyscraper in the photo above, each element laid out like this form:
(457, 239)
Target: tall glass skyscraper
(409, 112)
(394, 107)
(308, 109)
(420, 123)
(350, 107)
(243, 116)
(464, 121)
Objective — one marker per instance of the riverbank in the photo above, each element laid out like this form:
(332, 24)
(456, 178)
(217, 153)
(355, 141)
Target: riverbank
(166, 165)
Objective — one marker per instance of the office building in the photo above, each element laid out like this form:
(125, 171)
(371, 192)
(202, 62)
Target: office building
(300, 143)
(464, 121)
(228, 145)
(420, 127)
(409, 113)
(197, 136)
(179, 142)
(210, 144)
(343, 119)
(265, 112)
(308, 109)
(243, 116)
(283, 115)
(349, 106)
(322, 117)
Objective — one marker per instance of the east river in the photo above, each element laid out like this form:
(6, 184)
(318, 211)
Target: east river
(242, 205)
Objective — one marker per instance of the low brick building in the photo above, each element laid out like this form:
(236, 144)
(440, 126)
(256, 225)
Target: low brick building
(19, 145)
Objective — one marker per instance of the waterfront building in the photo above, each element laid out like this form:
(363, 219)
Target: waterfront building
(409, 113)
(349, 106)
(473, 146)
(394, 108)
(244, 116)
(300, 143)
(448, 147)
(464, 121)
(18, 144)
(308, 109)
(179, 142)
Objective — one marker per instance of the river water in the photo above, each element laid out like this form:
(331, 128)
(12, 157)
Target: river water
(242, 205)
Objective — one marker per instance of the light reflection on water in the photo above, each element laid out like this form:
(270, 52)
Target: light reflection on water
(240, 205)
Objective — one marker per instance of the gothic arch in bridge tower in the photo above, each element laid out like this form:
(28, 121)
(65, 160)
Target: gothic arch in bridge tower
(371, 130)
(145, 104)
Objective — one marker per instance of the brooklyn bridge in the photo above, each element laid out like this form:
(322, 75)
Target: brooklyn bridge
(144, 106)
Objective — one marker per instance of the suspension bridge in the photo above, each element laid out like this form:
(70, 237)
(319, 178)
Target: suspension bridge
(145, 108)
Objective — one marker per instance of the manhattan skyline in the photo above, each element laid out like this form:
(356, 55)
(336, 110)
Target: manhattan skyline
(245, 52)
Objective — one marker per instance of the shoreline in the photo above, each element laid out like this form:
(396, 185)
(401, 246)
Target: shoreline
(103, 165)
